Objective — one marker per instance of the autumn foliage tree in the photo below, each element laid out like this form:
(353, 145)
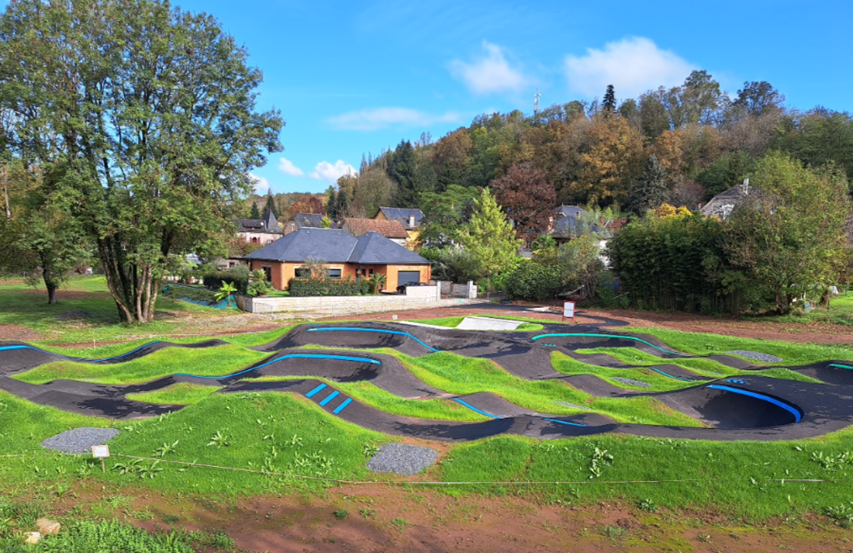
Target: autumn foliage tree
(527, 197)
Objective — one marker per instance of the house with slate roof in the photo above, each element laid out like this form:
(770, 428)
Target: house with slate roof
(392, 230)
(259, 231)
(409, 218)
(342, 255)
(303, 220)
(723, 204)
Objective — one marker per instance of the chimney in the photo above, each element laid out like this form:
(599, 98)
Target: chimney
(411, 221)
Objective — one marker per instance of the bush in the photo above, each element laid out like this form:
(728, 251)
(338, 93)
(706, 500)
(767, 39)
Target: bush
(237, 275)
(532, 281)
(328, 287)
(196, 293)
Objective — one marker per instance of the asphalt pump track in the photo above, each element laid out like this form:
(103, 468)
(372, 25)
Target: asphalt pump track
(742, 408)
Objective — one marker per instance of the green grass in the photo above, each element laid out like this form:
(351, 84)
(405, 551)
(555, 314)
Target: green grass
(182, 393)
(215, 361)
(709, 344)
(657, 382)
(23, 305)
(460, 375)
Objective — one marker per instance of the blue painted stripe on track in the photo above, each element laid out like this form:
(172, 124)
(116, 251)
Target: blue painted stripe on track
(314, 392)
(564, 422)
(356, 329)
(290, 356)
(609, 336)
(342, 406)
(785, 406)
(471, 407)
(329, 398)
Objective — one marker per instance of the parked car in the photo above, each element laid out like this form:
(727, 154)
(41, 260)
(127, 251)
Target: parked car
(402, 288)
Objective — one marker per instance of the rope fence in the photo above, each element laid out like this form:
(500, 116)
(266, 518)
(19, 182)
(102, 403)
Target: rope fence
(437, 483)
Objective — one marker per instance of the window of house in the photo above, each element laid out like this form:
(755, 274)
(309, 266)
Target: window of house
(333, 273)
(302, 272)
(254, 239)
(268, 272)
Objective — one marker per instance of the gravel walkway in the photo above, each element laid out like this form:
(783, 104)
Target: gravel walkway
(631, 382)
(756, 356)
(80, 440)
(402, 459)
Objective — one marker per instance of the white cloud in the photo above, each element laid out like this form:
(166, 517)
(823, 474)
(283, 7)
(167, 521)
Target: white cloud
(331, 173)
(288, 168)
(632, 65)
(260, 184)
(382, 118)
(489, 74)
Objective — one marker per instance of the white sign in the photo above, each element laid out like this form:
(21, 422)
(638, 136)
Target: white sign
(569, 310)
(100, 451)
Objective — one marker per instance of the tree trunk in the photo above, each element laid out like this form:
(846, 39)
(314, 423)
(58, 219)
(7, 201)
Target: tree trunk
(49, 283)
(6, 192)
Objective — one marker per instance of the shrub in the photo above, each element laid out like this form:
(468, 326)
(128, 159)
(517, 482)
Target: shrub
(328, 287)
(532, 281)
(196, 293)
(237, 275)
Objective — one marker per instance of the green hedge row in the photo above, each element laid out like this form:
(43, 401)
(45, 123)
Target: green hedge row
(172, 290)
(328, 287)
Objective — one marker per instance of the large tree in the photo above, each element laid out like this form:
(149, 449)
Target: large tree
(527, 197)
(792, 236)
(150, 112)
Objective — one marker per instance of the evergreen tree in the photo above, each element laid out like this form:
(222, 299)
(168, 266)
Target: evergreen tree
(342, 205)
(271, 204)
(255, 213)
(332, 204)
(402, 167)
(650, 191)
(608, 106)
(489, 238)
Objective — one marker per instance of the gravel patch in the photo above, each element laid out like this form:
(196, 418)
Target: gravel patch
(756, 356)
(402, 459)
(79, 440)
(572, 405)
(632, 382)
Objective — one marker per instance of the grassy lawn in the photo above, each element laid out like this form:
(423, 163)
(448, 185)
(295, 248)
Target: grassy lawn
(90, 314)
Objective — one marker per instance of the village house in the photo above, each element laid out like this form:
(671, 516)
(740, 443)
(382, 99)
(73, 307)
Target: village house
(341, 255)
(259, 231)
(392, 230)
(409, 218)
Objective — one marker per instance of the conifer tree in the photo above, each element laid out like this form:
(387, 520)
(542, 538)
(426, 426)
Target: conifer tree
(255, 213)
(608, 106)
(332, 204)
(650, 192)
(489, 238)
(271, 204)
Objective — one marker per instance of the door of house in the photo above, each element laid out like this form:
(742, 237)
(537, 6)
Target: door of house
(406, 277)
(268, 272)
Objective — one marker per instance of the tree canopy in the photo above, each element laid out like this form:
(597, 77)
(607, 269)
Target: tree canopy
(147, 114)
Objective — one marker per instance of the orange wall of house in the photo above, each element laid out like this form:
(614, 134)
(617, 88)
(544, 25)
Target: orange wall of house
(283, 272)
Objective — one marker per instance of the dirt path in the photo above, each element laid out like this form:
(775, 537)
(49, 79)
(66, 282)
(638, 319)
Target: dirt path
(384, 519)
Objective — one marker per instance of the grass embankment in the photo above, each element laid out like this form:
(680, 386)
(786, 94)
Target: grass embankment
(707, 368)
(214, 361)
(708, 344)
(182, 393)
(284, 433)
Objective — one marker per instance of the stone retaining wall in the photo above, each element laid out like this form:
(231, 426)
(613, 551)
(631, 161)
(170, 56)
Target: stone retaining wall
(337, 306)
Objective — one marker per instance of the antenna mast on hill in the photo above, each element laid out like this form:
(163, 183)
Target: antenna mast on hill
(536, 102)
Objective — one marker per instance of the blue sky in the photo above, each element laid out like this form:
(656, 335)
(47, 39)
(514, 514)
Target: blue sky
(356, 77)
